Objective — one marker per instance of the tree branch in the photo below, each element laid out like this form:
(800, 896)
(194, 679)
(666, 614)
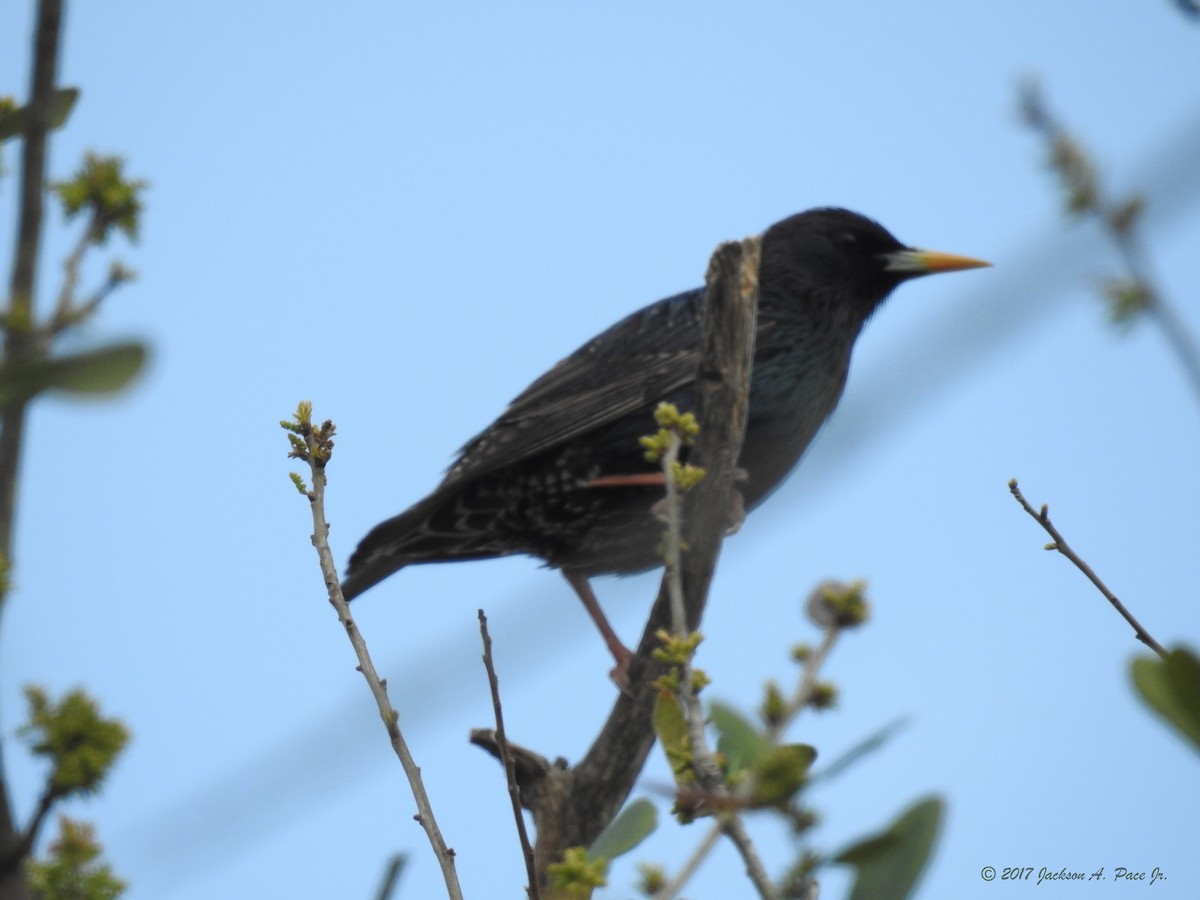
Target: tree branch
(803, 694)
(574, 805)
(734, 828)
(18, 332)
(1042, 517)
(23, 845)
(1136, 292)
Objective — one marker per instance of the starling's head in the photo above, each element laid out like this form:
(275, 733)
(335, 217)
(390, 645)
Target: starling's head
(835, 256)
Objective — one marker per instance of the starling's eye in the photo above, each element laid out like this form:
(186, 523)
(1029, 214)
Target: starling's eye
(847, 241)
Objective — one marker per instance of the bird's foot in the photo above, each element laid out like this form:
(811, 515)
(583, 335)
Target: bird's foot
(620, 672)
(659, 510)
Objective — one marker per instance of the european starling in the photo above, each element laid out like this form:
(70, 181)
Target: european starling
(561, 476)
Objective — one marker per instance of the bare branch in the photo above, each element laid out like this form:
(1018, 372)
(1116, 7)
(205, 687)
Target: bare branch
(735, 829)
(510, 774)
(803, 694)
(71, 265)
(574, 805)
(1042, 517)
(315, 449)
(68, 309)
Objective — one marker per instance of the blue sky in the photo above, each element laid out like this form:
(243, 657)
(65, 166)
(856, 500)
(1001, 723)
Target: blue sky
(405, 213)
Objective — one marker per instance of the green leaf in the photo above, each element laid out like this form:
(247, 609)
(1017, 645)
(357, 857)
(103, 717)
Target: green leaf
(634, 824)
(1171, 687)
(94, 372)
(890, 864)
(744, 745)
(12, 121)
(781, 772)
(63, 105)
(866, 746)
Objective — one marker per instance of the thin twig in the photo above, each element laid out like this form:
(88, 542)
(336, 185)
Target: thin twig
(1132, 251)
(391, 876)
(68, 310)
(71, 265)
(704, 763)
(318, 450)
(732, 825)
(1042, 517)
(674, 542)
(672, 888)
(510, 772)
(734, 828)
(1120, 220)
(808, 682)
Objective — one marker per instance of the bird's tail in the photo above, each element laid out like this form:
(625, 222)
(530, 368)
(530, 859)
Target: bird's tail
(423, 533)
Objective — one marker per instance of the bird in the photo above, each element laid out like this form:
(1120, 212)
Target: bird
(561, 476)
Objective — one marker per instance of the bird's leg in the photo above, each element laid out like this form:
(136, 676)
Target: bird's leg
(620, 653)
(640, 479)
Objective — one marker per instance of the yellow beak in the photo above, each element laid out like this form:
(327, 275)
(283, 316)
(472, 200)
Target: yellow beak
(927, 262)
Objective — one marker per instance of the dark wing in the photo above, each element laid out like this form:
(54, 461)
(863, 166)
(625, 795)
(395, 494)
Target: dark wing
(641, 359)
(644, 358)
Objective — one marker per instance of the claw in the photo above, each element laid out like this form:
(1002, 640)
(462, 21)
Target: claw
(736, 514)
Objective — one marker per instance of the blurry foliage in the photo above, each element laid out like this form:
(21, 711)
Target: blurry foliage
(760, 771)
(100, 372)
(73, 870)
(1171, 687)
(101, 189)
(80, 744)
(888, 866)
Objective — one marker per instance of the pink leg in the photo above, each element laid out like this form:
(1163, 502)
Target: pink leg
(642, 479)
(620, 653)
